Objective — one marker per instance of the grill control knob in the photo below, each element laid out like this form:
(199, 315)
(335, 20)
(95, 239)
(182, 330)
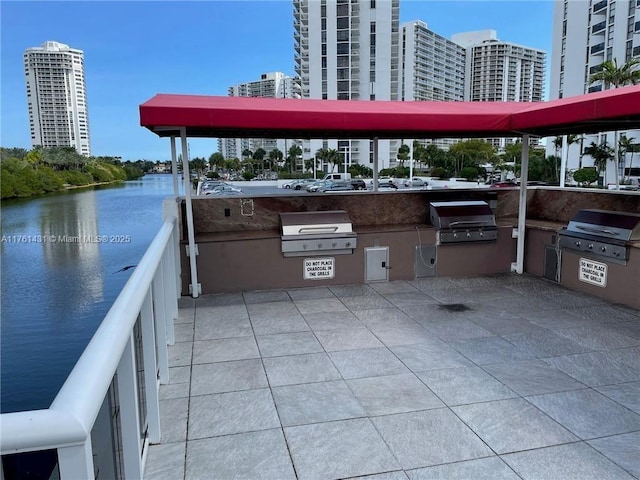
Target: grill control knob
(578, 243)
(455, 235)
(603, 249)
(468, 234)
(334, 244)
(482, 234)
(348, 244)
(590, 247)
(616, 253)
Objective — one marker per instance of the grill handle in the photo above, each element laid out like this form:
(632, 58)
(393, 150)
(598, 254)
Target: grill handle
(597, 230)
(317, 229)
(467, 222)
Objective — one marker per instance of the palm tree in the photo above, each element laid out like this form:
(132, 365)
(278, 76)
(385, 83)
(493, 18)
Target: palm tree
(275, 156)
(334, 158)
(601, 154)
(612, 75)
(259, 155)
(294, 152)
(626, 145)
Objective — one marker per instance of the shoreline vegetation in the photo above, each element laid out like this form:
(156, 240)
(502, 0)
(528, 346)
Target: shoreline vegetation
(27, 173)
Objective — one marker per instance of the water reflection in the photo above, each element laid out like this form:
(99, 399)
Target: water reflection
(70, 237)
(55, 293)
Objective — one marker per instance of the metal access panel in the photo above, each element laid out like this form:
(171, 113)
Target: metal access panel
(425, 261)
(376, 264)
(551, 262)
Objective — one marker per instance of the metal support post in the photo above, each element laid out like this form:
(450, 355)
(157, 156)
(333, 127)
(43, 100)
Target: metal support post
(195, 286)
(522, 209)
(375, 164)
(174, 166)
(564, 152)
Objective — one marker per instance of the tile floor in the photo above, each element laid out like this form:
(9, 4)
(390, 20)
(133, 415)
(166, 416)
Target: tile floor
(498, 377)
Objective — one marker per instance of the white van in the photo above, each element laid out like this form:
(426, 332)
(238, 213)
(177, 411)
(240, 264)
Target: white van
(337, 176)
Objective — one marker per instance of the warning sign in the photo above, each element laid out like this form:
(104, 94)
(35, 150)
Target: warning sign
(319, 268)
(592, 272)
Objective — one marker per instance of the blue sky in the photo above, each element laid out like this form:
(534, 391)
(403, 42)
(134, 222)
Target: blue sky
(134, 50)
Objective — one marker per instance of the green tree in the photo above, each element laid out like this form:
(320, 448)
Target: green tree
(198, 165)
(403, 154)
(334, 158)
(601, 154)
(275, 157)
(216, 160)
(259, 155)
(585, 176)
(626, 145)
(612, 75)
(294, 153)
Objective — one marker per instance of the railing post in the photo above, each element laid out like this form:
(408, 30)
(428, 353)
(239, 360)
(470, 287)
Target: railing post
(161, 336)
(170, 303)
(129, 412)
(76, 461)
(150, 368)
(170, 212)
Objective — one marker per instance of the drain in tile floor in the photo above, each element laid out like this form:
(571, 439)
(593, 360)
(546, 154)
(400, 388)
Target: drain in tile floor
(454, 307)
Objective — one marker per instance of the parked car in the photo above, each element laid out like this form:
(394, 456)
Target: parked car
(417, 182)
(358, 184)
(209, 185)
(387, 186)
(297, 184)
(340, 186)
(224, 190)
(313, 187)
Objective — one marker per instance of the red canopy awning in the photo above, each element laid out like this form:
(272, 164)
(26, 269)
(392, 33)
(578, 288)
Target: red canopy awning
(229, 117)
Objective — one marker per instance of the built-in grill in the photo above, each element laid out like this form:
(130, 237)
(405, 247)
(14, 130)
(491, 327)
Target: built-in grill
(602, 233)
(317, 233)
(464, 221)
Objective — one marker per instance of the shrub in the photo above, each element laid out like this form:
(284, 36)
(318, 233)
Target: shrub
(248, 175)
(132, 172)
(438, 172)
(49, 180)
(99, 173)
(76, 178)
(469, 173)
(585, 176)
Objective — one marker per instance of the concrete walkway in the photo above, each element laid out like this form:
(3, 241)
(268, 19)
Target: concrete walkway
(500, 377)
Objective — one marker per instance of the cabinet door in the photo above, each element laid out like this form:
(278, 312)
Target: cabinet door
(376, 260)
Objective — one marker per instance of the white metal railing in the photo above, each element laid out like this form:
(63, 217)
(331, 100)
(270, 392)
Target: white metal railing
(150, 296)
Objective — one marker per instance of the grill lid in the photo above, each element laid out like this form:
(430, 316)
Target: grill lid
(331, 222)
(461, 215)
(605, 224)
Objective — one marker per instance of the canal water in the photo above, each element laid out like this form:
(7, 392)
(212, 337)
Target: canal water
(61, 258)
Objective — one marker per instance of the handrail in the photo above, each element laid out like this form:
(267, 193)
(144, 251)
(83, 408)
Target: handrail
(71, 416)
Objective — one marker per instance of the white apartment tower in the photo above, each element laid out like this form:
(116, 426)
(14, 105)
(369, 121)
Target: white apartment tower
(498, 71)
(432, 68)
(586, 34)
(57, 97)
(272, 85)
(348, 50)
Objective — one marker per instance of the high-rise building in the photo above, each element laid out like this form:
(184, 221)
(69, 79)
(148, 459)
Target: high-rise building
(498, 71)
(432, 68)
(57, 97)
(348, 50)
(586, 34)
(272, 85)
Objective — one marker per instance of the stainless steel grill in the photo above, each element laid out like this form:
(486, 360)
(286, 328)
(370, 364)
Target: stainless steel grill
(317, 233)
(602, 233)
(462, 222)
